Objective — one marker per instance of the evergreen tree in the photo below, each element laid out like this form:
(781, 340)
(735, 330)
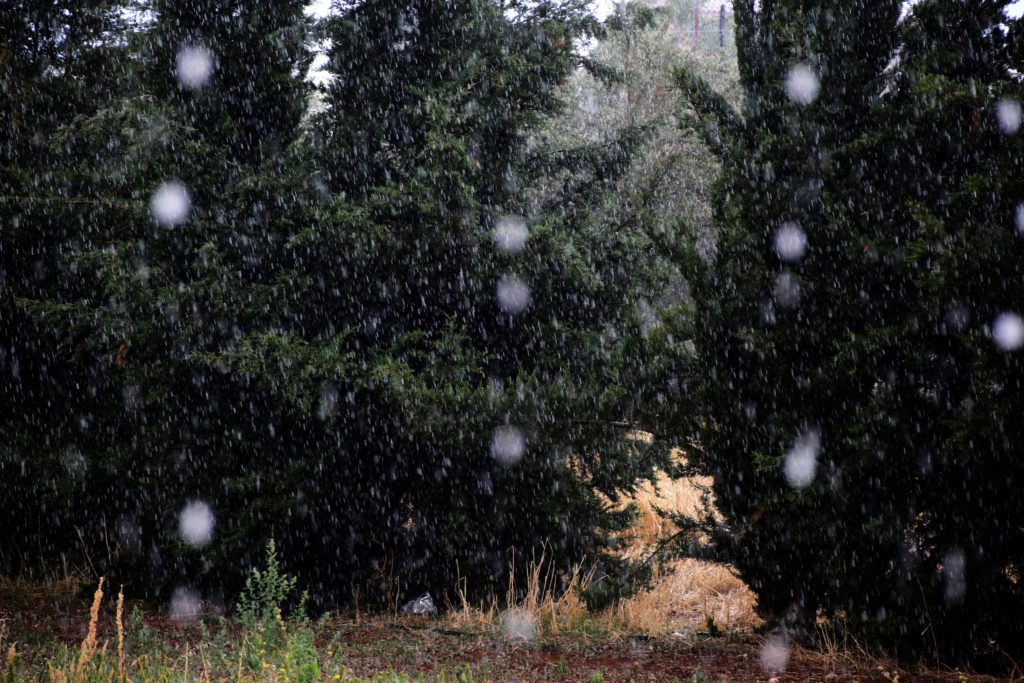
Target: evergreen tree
(348, 340)
(962, 247)
(57, 62)
(471, 356)
(192, 193)
(861, 195)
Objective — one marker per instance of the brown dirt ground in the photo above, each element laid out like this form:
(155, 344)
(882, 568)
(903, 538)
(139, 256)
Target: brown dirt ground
(41, 620)
(654, 636)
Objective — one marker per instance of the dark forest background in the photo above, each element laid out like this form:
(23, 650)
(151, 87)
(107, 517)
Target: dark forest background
(410, 321)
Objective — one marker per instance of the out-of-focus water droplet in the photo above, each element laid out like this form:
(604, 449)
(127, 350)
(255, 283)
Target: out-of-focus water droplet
(518, 624)
(129, 532)
(801, 461)
(186, 604)
(790, 242)
(74, 461)
(194, 66)
(1019, 219)
(957, 317)
(328, 402)
(508, 445)
(774, 654)
(787, 289)
(802, 84)
(647, 315)
(321, 187)
(171, 204)
(1008, 113)
(954, 577)
(510, 234)
(1008, 331)
(132, 396)
(513, 294)
(195, 524)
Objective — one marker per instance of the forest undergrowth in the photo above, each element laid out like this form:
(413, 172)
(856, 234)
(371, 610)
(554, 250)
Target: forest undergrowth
(697, 622)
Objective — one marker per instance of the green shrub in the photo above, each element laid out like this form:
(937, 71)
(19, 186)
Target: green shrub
(266, 592)
(269, 640)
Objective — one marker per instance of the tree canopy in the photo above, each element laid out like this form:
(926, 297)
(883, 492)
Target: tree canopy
(853, 324)
(419, 321)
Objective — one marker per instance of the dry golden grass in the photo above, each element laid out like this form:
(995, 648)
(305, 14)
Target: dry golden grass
(692, 591)
(557, 611)
(683, 600)
(89, 644)
(75, 671)
(680, 599)
(681, 496)
(48, 589)
(119, 620)
(543, 606)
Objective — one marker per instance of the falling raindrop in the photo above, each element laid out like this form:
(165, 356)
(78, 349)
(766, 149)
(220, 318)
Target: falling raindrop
(186, 604)
(801, 461)
(129, 532)
(648, 317)
(518, 624)
(321, 187)
(513, 294)
(1008, 113)
(171, 204)
(194, 66)
(790, 242)
(132, 396)
(957, 317)
(508, 445)
(954, 571)
(1019, 219)
(195, 524)
(328, 402)
(802, 84)
(1008, 331)
(787, 289)
(75, 461)
(510, 234)
(774, 654)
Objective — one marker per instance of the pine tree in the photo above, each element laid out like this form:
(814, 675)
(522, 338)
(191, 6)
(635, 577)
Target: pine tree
(343, 335)
(962, 242)
(468, 354)
(861, 199)
(57, 62)
(192, 188)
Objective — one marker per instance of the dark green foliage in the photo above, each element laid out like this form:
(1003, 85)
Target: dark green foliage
(255, 96)
(138, 426)
(386, 336)
(874, 349)
(55, 65)
(317, 352)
